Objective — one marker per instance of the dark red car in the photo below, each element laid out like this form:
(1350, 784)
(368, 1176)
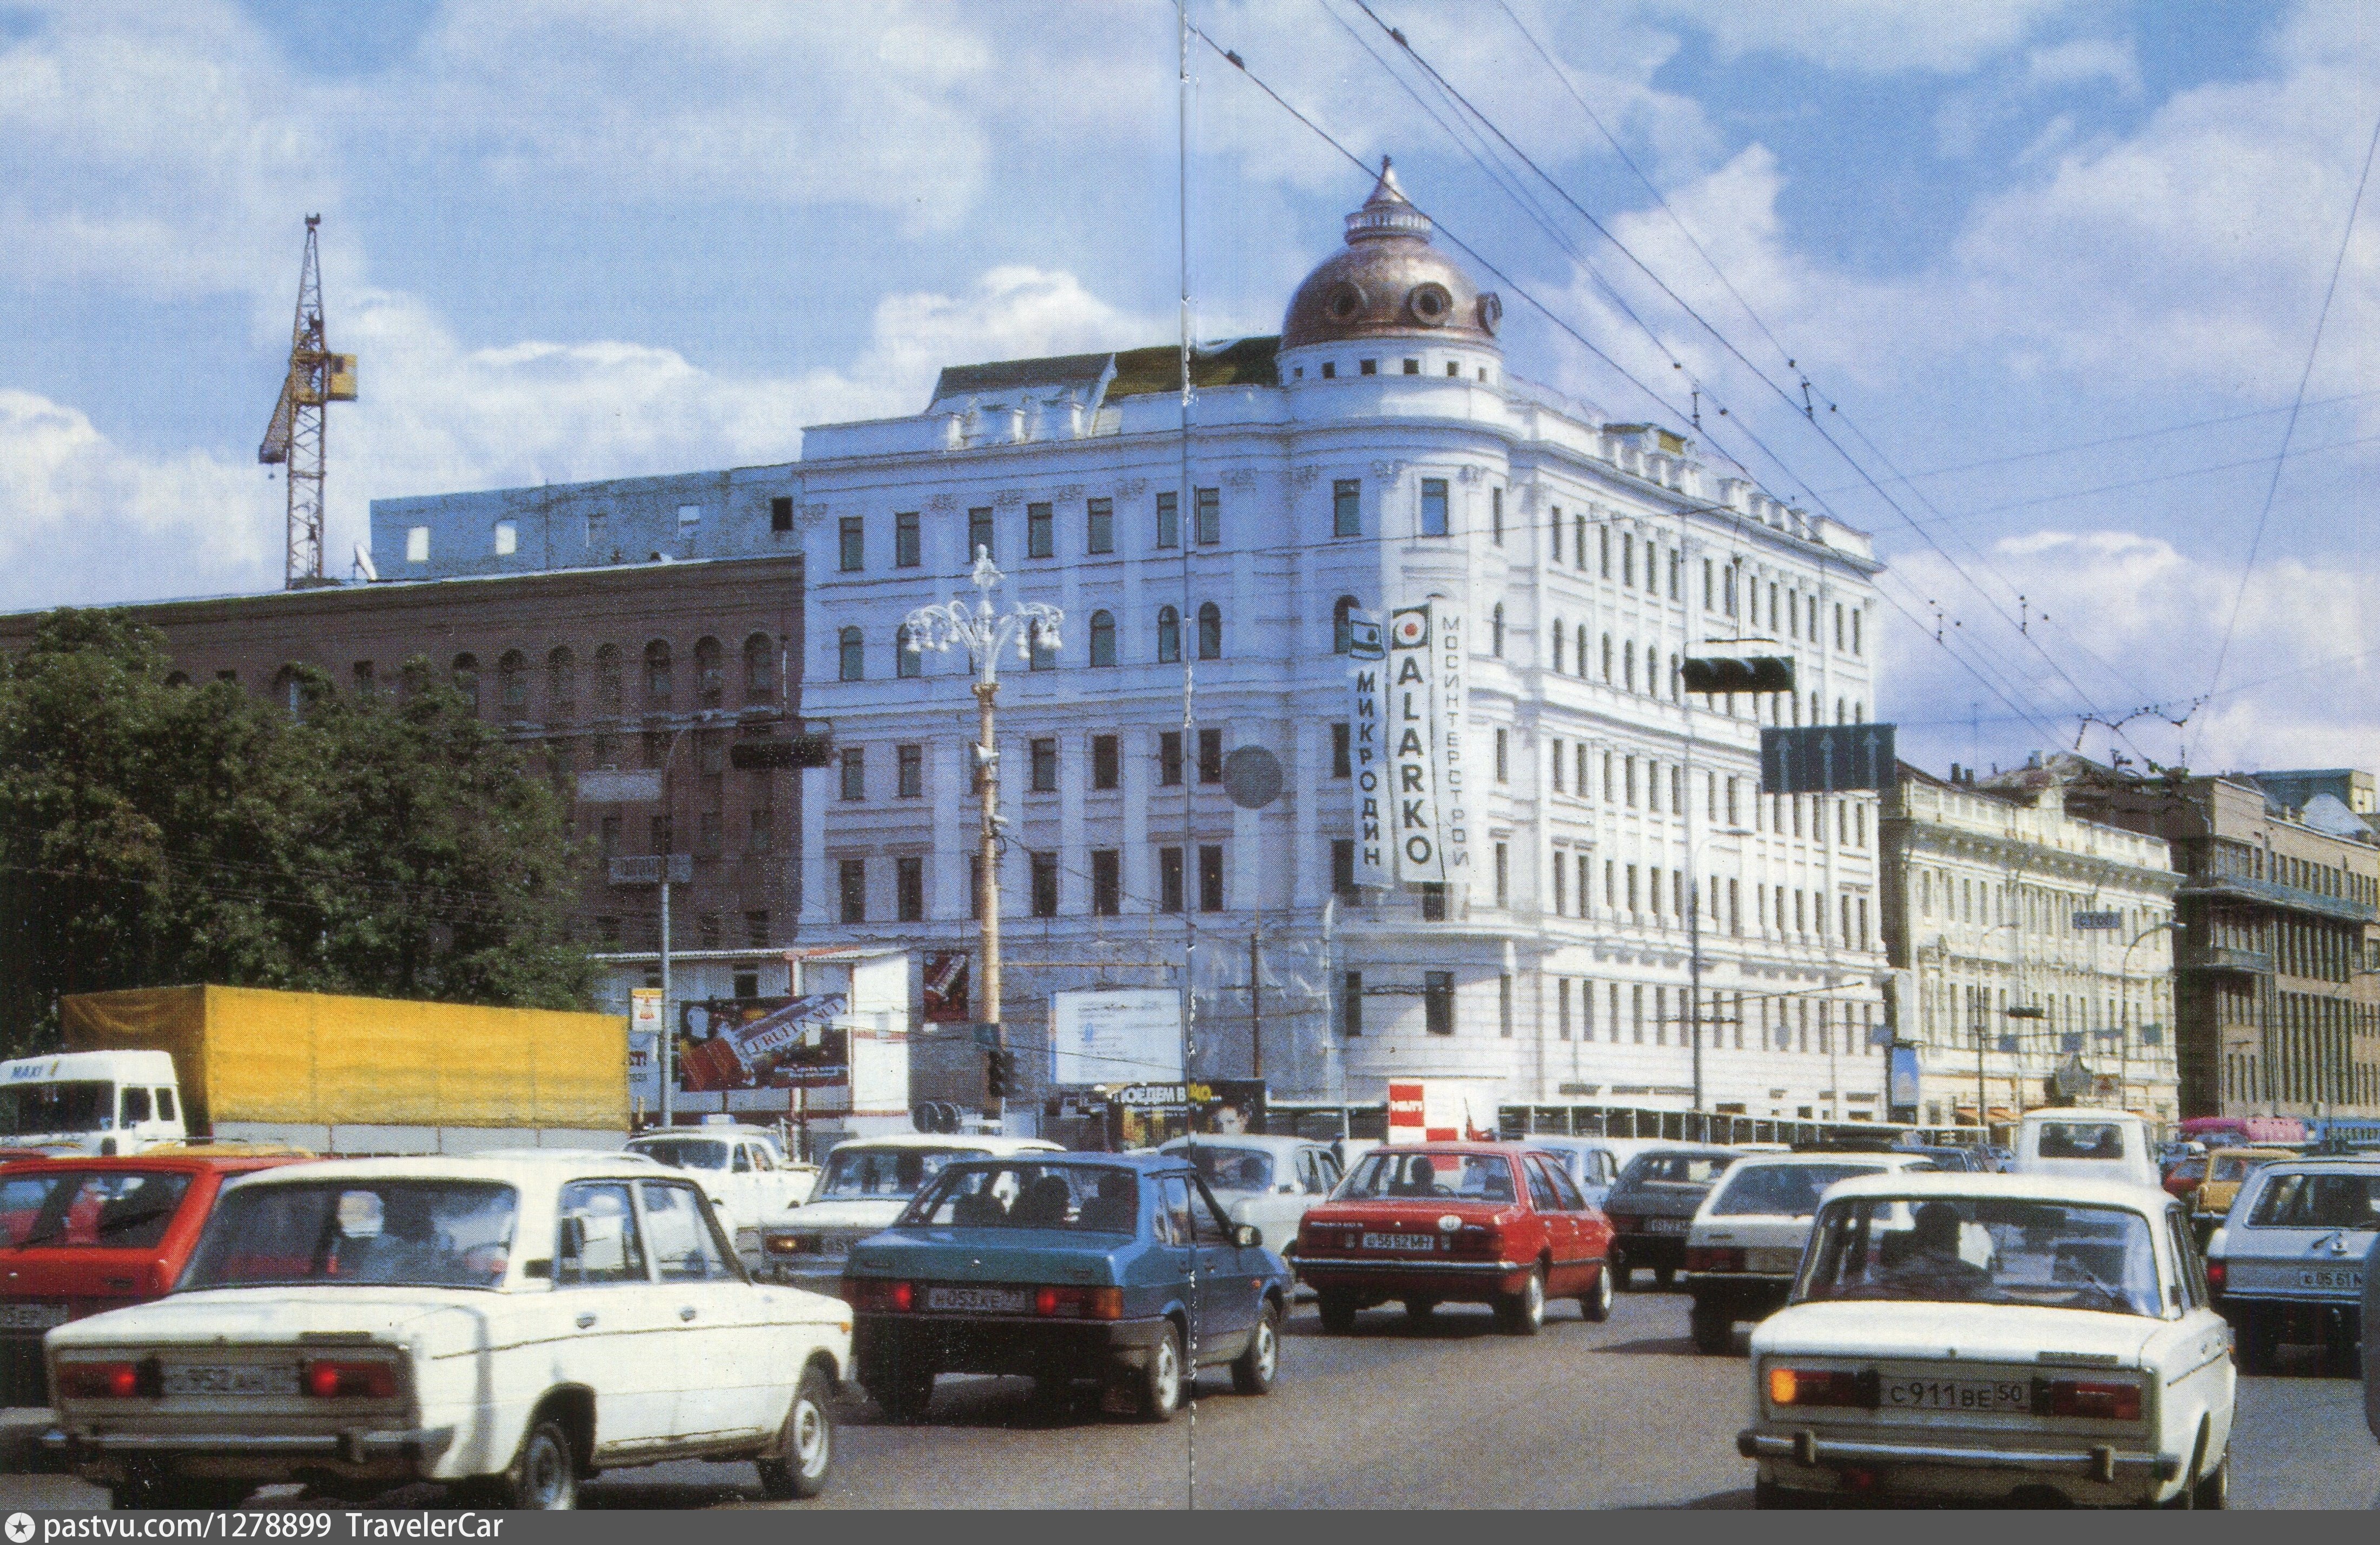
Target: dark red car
(81, 1236)
(1492, 1223)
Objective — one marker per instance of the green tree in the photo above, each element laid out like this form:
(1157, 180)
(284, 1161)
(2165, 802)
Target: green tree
(154, 834)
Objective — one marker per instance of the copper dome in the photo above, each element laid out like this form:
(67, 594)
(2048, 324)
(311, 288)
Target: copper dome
(1389, 282)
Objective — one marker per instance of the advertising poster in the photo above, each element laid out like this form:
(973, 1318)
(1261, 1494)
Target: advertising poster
(763, 1044)
(1133, 1116)
(1125, 1035)
(1427, 826)
(945, 985)
(1366, 764)
(645, 1046)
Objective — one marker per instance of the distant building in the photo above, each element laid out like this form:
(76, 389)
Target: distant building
(1998, 897)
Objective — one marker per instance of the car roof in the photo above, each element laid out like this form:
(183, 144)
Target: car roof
(997, 1145)
(1272, 1142)
(723, 1132)
(2331, 1164)
(2132, 1196)
(1892, 1158)
(180, 1161)
(540, 1164)
(1140, 1158)
(1456, 1146)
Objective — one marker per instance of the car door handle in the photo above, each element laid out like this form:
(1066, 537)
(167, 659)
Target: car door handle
(585, 1322)
(686, 1314)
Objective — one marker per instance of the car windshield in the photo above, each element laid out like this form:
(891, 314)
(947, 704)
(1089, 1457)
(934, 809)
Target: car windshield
(1230, 1169)
(2235, 1167)
(1018, 1194)
(1453, 1176)
(684, 1152)
(102, 1209)
(2081, 1140)
(1675, 1169)
(863, 1173)
(1782, 1191)
(2318, 1202)
(35, 1109)
(416, 1233)
(1985, 1251)
(2188, 1169)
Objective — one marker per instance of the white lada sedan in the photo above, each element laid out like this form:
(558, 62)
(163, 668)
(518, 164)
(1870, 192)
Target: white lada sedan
(511, 1326)
(1972, 1337)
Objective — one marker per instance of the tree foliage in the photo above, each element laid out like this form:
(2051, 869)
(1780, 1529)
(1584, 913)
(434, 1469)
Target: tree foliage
(388, 845)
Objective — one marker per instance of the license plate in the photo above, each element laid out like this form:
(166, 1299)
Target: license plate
(979, 1300)
(1957, 1395)
(1665, 1225)
(31, 1317)
(236, 1379)
(1400, 1242)
(1780, 1262)
(2341, 1279)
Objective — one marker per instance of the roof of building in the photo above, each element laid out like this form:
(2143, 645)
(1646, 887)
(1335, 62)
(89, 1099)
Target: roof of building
(1084, 372)
(1151, 372)
(1389, 282)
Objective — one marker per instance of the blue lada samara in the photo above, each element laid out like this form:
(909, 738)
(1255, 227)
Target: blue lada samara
(1118, 1268)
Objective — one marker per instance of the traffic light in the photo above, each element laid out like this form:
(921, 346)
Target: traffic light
(999, 1072)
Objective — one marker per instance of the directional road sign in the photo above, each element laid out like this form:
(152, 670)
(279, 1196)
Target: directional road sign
(1827, 759)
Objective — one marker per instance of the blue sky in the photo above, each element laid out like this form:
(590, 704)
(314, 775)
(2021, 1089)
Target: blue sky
(593, 239)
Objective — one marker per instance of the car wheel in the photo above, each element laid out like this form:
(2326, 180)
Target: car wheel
(1524, 1313)
(1596, 1303)
(2186, 1496)
(1712, 1327)
(1254, 1370)
(1664, 1277)
(544, 1476)
(1160, 1380)
(1420, 1309)
(804, 1455)
(1338, 1313)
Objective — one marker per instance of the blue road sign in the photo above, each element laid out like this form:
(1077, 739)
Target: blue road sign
(1827, 759)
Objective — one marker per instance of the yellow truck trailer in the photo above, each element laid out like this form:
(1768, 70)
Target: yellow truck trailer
(357, 1075)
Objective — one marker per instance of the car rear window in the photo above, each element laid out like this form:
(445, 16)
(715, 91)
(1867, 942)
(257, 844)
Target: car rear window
(1675, 1169)
(1782, 1191)
(2318, 1202)
(85, 1209)
(1450, 1177)
(2081, 1140)
(1097, 1199)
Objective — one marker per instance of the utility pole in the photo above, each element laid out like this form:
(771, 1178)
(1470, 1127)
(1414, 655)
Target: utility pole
(1256, 1011)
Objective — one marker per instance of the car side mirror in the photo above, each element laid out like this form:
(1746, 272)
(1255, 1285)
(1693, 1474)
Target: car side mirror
(1248, 1236)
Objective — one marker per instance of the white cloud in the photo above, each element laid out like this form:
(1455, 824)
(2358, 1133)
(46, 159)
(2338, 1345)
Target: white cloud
(1865, 36)
(2083, 60)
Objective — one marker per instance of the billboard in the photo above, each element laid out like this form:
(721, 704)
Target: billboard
(1905, 1078)
(1117, 1119)
(1366, 764)
(1122, 1035)
(945, 981)
(771, 1043)
(1427, 828)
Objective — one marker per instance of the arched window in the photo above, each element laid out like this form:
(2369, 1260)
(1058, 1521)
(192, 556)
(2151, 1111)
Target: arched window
(467, 679)
(1342, 626)
(607, 678)
(1859, 713)
(658, 685)
(1040, 653)
(1103, 638)
(710, 672)
(1211, 632)
(511, 683)
(1169, 635)
(290, 695)
(907, 663)
(560, 685)
(1583, 667)
(759, 670)
(1560, 634)
(1606, 660)
(1496, 631)
(1628, 666)
(1841, 716)
(853, 652)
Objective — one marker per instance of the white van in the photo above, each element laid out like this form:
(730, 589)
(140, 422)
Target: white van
(2083, 1143)
(96, 1103)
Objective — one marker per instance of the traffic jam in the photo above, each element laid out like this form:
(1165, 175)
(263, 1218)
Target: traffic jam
(2062, 1322)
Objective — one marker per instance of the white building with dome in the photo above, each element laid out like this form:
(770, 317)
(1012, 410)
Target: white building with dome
(1375, 454)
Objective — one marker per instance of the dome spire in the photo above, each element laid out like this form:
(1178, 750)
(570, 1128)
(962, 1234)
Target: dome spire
(1388, 212)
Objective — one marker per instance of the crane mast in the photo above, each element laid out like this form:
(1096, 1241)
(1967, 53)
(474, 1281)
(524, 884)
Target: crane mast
(295, 438)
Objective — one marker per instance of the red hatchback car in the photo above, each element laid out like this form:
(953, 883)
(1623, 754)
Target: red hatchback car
(82, 1236)
(1492, 1223)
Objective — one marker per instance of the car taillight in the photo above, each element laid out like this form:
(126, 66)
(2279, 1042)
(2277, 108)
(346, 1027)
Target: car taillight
(1078, 1303)
(874, 1295)
(99, 1380)
(1713, 1258)
(786, 1244)
(1478, 1240)
(2214, 1275)
(1822, 1386)
(2098, 1400)
(350, 1379)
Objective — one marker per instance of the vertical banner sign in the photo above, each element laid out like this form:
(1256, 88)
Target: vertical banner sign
(1366, 759)
(645, 1046)
(1425, 745)
(1447, 701)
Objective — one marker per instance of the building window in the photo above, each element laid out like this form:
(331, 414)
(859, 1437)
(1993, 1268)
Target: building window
(1169, 758)
(1556, 763)
(1169, 519)
(910, 760)
(1329, 369)
(560, 685)
(507, 538)
(780, 513)
(1343, 868)
(1495, 516)
(1210, 756)
(854, 878)
(657, 674)
(852, 651)
(1433, 901)
(759, 670)
(1103, 638)
(979, 535)
(1503, 875)
(1342, 626)
(1169, 879)
(1368, 367)
(907, 550)
(1495, 633)
(1350, 1005)
(1606, 660)
(909, 888)
(1438, 1001)
(1343, 736)
(1560, 870)
(1169, 635)
(1211, 517)
(1040, 531)
(1107, 882)
(908, 661)
(1433, 506)
(1045, 765)
(1211, 632)
(1504, 1007)
(467, 679)
(1346, 507)
(1101, 524)
(854, 772)
(1105, 764)
(512, 685)
(1041, 648)
(853, 549)
(762, 835)
(417, 544)
(1045, 885)
(1210, 877)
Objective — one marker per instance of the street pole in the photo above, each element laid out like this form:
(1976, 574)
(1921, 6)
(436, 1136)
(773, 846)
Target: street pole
(668, 1036)
(1256, 1011)
(986, 689)
(1694, 963)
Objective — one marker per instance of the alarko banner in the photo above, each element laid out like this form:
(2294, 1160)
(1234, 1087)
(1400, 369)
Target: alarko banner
(1366, 759)
(1424, 728)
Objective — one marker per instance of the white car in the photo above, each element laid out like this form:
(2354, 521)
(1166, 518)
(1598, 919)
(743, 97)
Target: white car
(1966, 1338)
(747, 1176)
(2080, 1140)
(1745, 1243)
(509, 1325)
(869, 1182)
(2288, 1263)
(1267, 1181)
(1595, 1163)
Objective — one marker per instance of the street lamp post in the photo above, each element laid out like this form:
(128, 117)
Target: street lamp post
(983, 634)
(2123, 1032)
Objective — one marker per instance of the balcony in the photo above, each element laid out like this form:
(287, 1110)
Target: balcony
(2239, 888)
(2252, 962)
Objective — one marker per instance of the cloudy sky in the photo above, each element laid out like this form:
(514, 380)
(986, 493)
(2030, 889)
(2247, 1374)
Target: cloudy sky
(2052, 272)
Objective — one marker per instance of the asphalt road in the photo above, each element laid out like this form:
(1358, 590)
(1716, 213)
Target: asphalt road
(1447, 1414)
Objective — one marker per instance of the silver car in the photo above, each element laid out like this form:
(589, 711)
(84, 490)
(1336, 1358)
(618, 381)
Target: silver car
(1268, 1182)
(2287, 1264)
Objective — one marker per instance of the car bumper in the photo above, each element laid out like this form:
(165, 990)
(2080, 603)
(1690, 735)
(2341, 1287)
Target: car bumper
(1745, 1295)
(1478, 1281)
(104, 1455)
(1039, 1348)
(1803, 1460)
(1652, 1252)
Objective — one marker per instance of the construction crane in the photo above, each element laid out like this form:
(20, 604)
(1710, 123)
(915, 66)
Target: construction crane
(317, 377)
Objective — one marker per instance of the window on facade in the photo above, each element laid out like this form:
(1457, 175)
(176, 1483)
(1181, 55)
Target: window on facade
(852, 876)
(1368, 367)
(417, 544)
(561, 685)
(780, 516)
(1106, 765)
(1040, 531)
(980, 543)
(1433, 901)
(1107, 882)
(1045, 765)
(1169, 635)
(761, 836)
(1045, 885)
(1100, 527)
(1040, 650)
(658, 683)
(1558, 646)
(1343, 868)
(1103, 638)
(1211, 632)
(1438, 1001)
(1169, 878)
(1210, 756)
(1210, 877)
(710, 672)
(1495, 516)
(1342, 624)
(853, 549)
(1503, 756)
(854, 772)
(1496, 631)
(1350, 1005)
(1606, 660)
(759, 670)
(1433, 506)
(907, 552)
(511, 683)
(1347, 507)
(910, 762)
(851, 656)
(1169, 758)
(1211, 517)
(467, 679)
(1343, 738)
(909, 888)
(1169, 519)
(908, 664)
(1503, 875)
(607, 678)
